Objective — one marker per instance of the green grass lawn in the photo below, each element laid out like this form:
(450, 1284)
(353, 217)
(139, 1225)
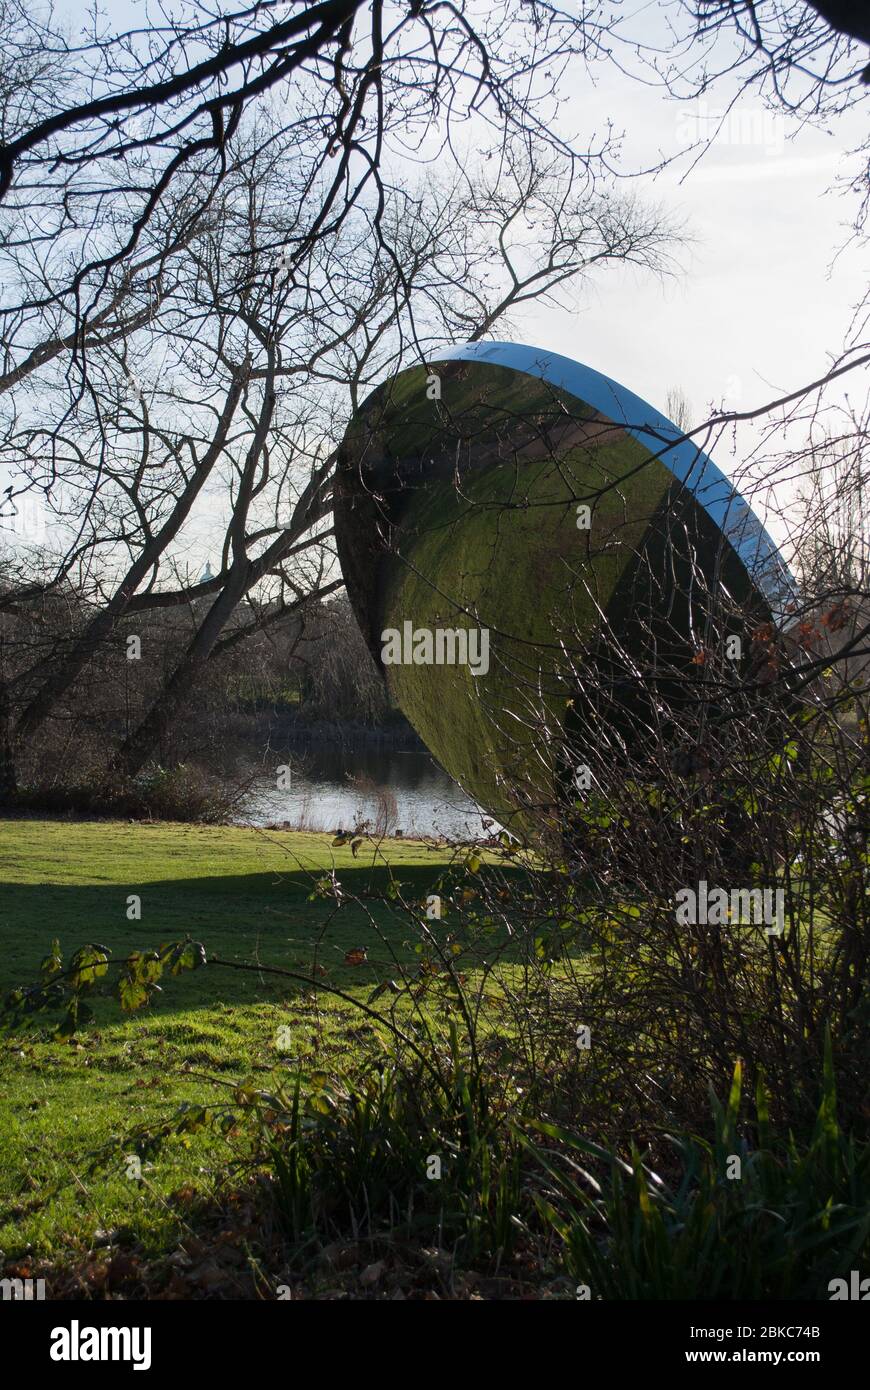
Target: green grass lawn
(245, 894)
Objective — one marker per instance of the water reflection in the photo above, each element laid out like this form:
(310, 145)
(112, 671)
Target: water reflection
(333, 787)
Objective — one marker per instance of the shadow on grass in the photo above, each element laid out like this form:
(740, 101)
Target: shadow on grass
(264, 919)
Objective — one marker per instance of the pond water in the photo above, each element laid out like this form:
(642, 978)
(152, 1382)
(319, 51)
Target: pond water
(335, 787)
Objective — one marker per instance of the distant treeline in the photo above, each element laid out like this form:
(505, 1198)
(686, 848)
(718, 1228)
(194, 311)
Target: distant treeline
(308, 677)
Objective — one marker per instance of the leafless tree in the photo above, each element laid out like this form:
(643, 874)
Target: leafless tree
(219, 397)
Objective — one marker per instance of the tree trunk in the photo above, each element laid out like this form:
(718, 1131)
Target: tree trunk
(139, 746)
(106, 620)
(8, 777)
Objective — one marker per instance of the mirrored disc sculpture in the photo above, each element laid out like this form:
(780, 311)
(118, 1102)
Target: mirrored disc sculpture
(545, 568)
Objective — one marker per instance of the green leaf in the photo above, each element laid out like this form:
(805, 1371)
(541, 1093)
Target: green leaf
(762, 1110)
(87, 965)
(52, 964)
(188, 955)
(734, 1097)
(131, 993)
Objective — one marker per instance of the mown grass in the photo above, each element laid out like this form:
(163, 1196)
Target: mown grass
(337, 1154)
(245, 894)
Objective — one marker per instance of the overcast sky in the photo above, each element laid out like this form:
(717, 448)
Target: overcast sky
(758, 306)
